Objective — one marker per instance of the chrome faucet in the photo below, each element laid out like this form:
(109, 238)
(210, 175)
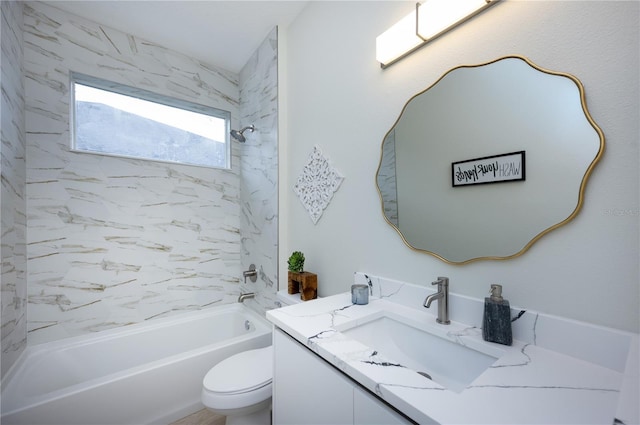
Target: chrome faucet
(443, 300)
(244, 296)
(252, 273)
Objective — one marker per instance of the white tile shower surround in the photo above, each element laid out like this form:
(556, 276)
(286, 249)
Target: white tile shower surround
(557, 371)
(14, 217)
(259, 172)
(115, 241)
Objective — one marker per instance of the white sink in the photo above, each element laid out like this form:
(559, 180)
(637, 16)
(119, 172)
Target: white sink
(452, 365)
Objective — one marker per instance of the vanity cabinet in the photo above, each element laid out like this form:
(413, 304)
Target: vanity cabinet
(369, 410)
(307, 390)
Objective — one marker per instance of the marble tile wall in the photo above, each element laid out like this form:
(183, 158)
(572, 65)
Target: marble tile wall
(114, 241)
(259, 172)
(13, 294)
(386, 178)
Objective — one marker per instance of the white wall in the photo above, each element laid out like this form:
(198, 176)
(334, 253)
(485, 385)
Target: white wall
(336, 96)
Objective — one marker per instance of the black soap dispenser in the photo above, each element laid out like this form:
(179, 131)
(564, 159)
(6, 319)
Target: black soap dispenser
(496, 324)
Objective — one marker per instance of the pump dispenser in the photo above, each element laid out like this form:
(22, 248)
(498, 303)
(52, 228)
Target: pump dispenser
(496, 324)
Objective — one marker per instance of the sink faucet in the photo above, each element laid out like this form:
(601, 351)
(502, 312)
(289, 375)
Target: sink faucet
(443, 300)
(244, 296)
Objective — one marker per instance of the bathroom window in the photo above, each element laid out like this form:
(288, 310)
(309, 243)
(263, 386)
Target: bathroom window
(118, 120)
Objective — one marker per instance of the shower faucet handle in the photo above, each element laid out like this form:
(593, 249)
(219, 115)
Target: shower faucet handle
(252, 273)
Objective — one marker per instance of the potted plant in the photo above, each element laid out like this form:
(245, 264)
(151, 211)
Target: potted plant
(300, 281)
(296, 262)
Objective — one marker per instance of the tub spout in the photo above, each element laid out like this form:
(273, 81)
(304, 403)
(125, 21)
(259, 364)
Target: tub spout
(244, 296)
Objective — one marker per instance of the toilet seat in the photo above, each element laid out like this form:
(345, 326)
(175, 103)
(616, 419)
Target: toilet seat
(240, 384)
(241, 373)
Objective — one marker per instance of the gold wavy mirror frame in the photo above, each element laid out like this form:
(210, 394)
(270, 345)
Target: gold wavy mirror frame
(487, 160)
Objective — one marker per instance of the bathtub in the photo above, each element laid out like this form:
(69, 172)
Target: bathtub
(149, 373)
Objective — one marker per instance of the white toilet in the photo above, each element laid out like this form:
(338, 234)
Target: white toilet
(239, 387)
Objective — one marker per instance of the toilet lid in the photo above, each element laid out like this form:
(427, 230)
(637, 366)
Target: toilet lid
(241, 372)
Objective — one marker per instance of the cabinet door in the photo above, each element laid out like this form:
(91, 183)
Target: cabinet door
(368, 410)
(307, 390)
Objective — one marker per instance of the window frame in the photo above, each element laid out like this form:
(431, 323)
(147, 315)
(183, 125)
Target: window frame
(146, 95)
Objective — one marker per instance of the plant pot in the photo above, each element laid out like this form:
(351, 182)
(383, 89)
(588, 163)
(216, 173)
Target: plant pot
(304, 283)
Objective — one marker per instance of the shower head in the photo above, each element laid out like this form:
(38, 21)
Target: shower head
(238, 135)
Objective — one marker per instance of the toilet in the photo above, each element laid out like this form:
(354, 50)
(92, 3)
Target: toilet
(239, 387)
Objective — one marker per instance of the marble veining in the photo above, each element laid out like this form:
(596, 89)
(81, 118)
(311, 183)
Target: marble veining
(115, 241)
(536, 380)
(13, 188)
(386, 178)
(259, 172)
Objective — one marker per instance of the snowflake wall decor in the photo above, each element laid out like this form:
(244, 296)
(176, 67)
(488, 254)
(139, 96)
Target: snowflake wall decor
(317, 184)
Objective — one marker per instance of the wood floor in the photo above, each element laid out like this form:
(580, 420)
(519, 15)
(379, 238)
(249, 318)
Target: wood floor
(201, 417)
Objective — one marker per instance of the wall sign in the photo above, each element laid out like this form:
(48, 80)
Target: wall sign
(489, 169)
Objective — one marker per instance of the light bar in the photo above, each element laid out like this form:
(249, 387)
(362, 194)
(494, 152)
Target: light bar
(428, 21)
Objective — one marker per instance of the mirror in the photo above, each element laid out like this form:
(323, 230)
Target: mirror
(455, 133)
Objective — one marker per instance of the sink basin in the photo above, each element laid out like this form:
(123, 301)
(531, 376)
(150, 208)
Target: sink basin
(452, 365)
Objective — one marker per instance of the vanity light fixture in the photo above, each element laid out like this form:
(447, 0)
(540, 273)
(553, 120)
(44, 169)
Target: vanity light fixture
(428, 21)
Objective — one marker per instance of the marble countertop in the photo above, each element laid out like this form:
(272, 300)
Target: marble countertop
(526, 384)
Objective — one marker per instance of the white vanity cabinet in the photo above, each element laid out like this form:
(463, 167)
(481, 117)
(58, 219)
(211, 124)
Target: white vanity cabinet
(368, 410)
(307, 390)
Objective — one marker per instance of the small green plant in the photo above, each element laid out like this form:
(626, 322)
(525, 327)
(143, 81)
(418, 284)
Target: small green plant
(296, 262)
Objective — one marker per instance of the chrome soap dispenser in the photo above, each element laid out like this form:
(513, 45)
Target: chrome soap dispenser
(496, 323)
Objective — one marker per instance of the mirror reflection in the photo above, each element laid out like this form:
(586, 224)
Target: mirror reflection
(486, 111)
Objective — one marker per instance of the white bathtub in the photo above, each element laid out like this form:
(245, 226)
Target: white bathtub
(148, 373)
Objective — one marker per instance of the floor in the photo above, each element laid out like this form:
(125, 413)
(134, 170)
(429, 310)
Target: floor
(201, 417)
